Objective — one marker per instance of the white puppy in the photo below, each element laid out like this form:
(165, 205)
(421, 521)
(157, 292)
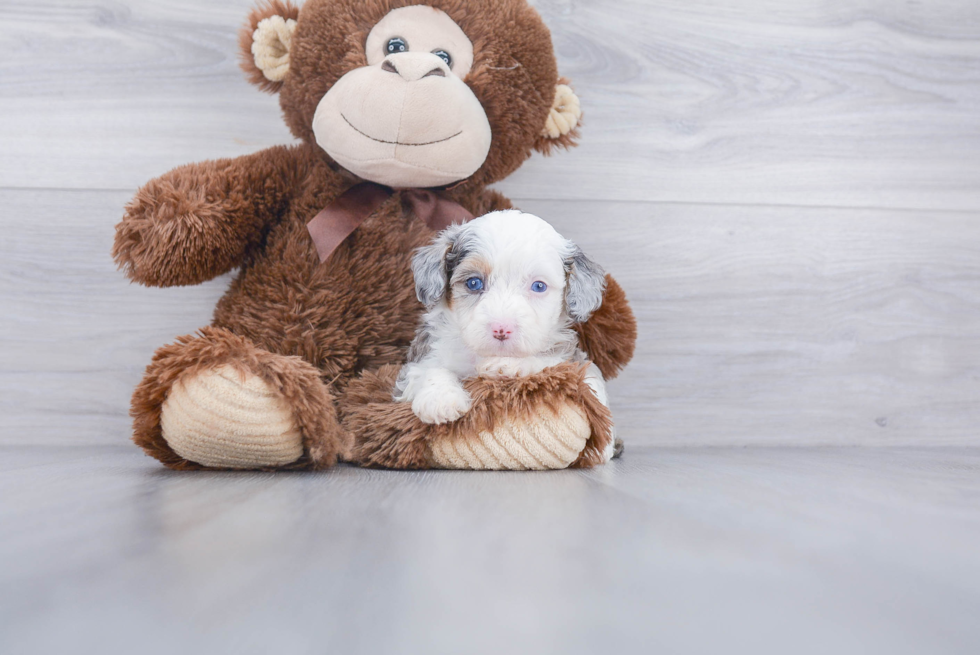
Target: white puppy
(501, 292)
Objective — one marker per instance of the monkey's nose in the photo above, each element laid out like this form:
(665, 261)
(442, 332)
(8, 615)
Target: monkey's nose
(413, 66)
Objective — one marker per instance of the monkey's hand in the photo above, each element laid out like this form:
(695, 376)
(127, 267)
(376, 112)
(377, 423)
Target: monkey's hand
(198, 221)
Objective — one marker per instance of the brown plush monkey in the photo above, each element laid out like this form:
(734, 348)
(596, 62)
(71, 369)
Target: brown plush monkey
(387, 98)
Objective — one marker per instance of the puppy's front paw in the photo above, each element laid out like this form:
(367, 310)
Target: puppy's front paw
(441, 404)
(507, 367)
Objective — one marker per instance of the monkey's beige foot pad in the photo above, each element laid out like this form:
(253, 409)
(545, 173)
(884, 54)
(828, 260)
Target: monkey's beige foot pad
(550, 420)
(225, 418)
(553, 439)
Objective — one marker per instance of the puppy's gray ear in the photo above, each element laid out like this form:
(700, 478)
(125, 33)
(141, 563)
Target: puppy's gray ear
(429, 269)
(586, 284)
(432, 266)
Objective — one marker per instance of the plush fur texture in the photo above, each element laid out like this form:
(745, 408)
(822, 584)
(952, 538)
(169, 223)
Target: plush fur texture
(309, 328)
(389, 435)
(298, 383)
(202, 220)
(609, 336)
(265, 10)
(548, 146)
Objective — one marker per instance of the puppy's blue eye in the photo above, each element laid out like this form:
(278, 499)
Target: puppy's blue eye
(474, 284)
(539, 287)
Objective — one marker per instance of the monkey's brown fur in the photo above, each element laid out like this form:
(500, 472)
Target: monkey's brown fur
(309, 328)
(298, 382)
(391, 436)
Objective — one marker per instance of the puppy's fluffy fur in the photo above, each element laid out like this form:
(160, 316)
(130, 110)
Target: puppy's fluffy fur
(502, 293)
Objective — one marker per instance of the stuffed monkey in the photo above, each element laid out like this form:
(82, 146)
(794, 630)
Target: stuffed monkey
(404, 114)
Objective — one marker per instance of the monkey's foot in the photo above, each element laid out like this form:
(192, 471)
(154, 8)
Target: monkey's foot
(225, 418)
(215, 400)
(551, 439)
(548, 420)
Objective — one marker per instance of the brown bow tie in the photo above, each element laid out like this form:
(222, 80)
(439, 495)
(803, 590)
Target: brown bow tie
(340, 218)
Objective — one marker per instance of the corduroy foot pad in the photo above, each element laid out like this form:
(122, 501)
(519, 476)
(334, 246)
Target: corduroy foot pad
(224, 418)
(215, 400)
(550, 420)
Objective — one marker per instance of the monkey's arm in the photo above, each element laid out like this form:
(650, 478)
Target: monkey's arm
(609, 336)
(199, 220)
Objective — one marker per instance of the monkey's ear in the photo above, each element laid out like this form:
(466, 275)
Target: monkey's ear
(561, 128)
(264, 42)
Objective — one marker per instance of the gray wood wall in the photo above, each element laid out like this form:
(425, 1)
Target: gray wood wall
(789, 192)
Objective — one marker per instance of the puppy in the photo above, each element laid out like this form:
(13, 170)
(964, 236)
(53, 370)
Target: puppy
(501, 293)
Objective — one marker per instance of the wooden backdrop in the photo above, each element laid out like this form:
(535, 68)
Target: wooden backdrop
(788, 191)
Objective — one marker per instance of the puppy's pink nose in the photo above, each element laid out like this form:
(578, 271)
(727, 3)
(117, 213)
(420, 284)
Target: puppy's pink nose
(501, 331)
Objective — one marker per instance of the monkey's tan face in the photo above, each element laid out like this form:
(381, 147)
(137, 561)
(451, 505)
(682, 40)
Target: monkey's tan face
(407, 119)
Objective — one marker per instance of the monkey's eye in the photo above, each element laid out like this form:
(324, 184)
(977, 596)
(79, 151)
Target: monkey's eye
(539, 287)
(443, 55)
(395, 45)
(474, 284)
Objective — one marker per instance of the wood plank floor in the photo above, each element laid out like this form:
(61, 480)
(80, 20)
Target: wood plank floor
(788, 192)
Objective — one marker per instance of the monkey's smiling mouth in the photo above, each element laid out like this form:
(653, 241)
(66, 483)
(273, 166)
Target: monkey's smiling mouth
(398, 143)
